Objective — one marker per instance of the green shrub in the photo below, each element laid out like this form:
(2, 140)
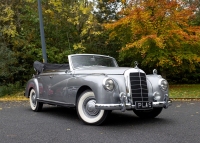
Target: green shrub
(10, 89)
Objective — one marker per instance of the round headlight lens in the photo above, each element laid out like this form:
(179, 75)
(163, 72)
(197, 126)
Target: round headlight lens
(163, 84)
(108, 84)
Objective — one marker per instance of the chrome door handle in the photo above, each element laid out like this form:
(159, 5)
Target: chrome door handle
(51, 76)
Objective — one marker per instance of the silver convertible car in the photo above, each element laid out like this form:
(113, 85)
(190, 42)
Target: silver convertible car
(95, 85)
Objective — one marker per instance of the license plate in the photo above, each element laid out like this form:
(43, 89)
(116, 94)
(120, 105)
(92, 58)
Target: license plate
(143, 105)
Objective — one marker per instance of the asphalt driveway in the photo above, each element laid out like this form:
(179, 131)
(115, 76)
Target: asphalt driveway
(18, 124)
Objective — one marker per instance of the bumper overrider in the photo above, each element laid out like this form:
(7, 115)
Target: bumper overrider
(124, 105)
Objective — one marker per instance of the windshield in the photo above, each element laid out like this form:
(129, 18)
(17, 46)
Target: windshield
(81, 61)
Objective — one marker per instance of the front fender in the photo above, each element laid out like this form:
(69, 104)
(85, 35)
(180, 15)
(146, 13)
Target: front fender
(32, 83)
(94, 82)
(153, 86)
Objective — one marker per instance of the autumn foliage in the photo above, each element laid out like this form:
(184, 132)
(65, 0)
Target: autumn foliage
(159, 34)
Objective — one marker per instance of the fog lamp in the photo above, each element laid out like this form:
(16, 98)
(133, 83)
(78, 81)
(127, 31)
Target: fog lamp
(156, 96)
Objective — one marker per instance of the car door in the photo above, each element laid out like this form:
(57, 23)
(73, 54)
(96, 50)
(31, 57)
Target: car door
(44, 85)
(58, 81)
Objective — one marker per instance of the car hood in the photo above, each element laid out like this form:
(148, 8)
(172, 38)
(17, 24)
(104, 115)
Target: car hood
(104, 70)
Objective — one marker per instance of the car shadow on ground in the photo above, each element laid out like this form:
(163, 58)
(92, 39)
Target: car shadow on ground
(116, 118)
(59, 112)
(128, 118)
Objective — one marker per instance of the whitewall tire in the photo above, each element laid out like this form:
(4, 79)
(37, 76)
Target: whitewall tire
(86, 109)
(35, 105)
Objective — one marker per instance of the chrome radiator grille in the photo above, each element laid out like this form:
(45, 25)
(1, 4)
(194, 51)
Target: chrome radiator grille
(138, 87)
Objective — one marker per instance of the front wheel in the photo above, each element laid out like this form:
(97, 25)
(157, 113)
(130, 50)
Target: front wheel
(148, 113)
(86, 109)
(35, 105)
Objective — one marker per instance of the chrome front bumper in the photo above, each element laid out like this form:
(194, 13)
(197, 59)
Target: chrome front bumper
(126, 106)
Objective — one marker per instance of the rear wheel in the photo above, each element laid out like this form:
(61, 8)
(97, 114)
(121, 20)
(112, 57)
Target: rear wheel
(35, 105)
(86, 109)
(148, 113)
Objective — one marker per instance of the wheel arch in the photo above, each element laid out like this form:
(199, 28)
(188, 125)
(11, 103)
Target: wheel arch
(81, 90)
(32, 84)
(29, 92)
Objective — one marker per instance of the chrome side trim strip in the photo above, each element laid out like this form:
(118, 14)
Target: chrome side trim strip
(51, 102)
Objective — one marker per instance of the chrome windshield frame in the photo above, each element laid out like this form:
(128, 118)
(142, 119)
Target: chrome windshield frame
(71, 62)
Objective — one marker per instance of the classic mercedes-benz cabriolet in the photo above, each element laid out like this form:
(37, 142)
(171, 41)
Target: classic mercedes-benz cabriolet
(95, 85)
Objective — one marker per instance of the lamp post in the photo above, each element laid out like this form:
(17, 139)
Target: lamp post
(42, 33)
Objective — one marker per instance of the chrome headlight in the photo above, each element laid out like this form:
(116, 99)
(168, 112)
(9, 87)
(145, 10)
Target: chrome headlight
(108, 84)
(163, 84)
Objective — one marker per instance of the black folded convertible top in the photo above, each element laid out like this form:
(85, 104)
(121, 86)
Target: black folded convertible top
(40, 67)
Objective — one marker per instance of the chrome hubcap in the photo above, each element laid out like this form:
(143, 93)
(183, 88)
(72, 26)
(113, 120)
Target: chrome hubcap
(90, 107)
(33, 99)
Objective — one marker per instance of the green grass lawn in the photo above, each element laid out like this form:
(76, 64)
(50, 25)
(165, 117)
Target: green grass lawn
(185, 91)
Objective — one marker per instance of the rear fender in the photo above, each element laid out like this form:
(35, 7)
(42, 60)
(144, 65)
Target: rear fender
(32, 84)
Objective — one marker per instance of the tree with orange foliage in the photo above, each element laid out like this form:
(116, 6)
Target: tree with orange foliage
(158, 34)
